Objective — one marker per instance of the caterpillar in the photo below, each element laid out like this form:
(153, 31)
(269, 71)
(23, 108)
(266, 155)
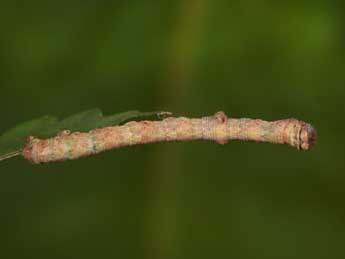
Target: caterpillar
(73, 145)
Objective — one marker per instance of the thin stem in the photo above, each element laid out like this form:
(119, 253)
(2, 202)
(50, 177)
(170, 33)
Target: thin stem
(10, 155)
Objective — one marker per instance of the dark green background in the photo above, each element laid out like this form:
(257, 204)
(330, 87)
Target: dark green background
(260, 59)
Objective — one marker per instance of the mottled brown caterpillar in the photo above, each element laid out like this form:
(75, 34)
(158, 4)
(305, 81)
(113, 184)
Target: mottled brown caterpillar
(73, 145)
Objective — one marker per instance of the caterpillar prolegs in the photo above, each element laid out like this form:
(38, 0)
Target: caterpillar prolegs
(73, 145)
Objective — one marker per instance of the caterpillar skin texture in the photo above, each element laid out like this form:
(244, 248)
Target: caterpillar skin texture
(220, 128)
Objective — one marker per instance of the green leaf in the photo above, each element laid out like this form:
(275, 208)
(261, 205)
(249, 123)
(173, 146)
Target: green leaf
(14, 139)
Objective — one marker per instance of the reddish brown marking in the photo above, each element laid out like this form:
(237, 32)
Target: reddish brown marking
(221, 117)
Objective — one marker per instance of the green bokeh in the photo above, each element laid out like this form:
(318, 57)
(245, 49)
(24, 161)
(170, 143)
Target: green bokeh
(259, 59)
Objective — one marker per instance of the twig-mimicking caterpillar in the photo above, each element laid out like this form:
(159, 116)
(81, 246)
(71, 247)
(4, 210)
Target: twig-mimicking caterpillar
(220, 128)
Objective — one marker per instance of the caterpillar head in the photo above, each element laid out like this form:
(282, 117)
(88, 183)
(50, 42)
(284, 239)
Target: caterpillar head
(306, 137)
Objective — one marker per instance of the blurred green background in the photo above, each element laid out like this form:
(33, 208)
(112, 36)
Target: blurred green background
(259, 59)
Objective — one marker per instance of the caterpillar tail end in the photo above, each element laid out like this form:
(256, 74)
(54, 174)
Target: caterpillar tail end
(27, 152)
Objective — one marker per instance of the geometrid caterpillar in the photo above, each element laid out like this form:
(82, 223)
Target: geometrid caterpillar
(73, 145)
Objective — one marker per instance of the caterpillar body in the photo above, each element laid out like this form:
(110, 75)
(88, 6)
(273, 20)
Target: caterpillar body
(73, 145)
